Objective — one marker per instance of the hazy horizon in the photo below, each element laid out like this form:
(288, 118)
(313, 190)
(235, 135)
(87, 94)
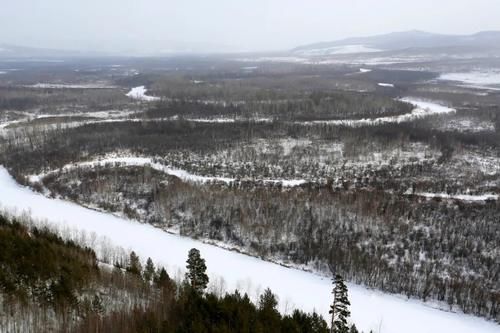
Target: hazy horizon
(227, 26)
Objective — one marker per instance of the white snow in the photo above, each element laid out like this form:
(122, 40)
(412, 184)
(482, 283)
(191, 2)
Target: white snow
(422, 109)
(433, 107)
(70, 86)
(365, 70)
(143, 161)
(463, 197)
(371, 310)
(139, 93)
(387, 85)
(335, 50)
(2, 72)
(274, 59)
(475, 79)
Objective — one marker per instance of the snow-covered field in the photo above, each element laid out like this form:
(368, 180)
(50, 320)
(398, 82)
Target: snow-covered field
(371, 310)
(93, 118)
(71, 86)
(143, 161)
(334, 50)
(463, 197)
(476, 79)
(422, 109)
(139, 93)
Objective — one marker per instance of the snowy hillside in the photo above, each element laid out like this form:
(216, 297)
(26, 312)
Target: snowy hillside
(371, 310)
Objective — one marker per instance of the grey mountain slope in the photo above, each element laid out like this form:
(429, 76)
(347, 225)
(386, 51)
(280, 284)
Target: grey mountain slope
(412, 39)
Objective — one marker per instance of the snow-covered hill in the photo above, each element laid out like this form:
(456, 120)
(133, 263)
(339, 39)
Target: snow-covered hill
(402, 40)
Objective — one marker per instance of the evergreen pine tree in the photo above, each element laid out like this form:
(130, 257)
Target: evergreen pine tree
(339, 310)
(149, 270)
(134, 265)
(196, 273)
(268, 301)
(161, 278)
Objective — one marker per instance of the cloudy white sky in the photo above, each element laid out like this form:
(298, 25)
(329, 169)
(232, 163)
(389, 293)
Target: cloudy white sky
(245, 25)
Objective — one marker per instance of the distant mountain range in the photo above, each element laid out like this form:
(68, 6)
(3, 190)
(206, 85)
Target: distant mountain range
(482, 43)
(396, 41)
(121, 48)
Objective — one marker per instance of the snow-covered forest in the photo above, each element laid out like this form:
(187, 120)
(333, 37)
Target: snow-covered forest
(282, 174)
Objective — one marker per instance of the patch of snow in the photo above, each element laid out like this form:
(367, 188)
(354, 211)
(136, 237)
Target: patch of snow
(249, 68)
(467, 125)
(422, 109)
(2, 72)
(275, 59)
(481, 80)
(386, 85)
(462, 197)
(335, 50)
(211, 120)
(139, 93)
(70, 86)
(371, 309)
(143, 161)
(365, 70)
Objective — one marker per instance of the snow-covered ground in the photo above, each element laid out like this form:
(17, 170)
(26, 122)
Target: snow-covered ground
(462, 197)
(466, 124)
(386, 85)
(93, 118)
(365, 70)
(371, 310)
(139, 93)
(143, 161)
(476, 79)
(335, 50)
(422, 109)
(71, 86)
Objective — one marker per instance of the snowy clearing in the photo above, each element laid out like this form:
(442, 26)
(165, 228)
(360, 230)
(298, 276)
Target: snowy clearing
(139, 93)
(422, 109)
(371, 310)
(480, 80)
(143, 161)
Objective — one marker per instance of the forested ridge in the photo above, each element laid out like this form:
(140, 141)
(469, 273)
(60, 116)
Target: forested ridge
(51, 285)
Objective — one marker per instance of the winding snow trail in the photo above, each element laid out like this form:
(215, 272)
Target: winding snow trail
(370, 309)
(143, 161)
(422, 109)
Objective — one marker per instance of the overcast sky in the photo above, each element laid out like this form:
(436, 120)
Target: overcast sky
(245, 25)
